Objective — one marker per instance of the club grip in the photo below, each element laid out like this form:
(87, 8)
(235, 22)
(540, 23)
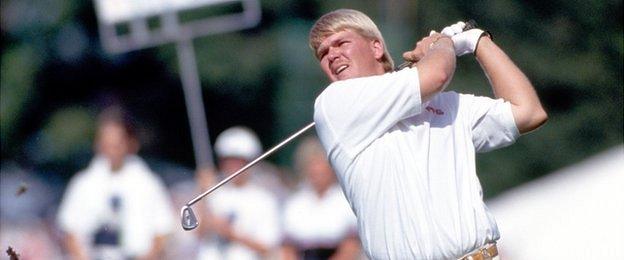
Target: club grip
(470, 24)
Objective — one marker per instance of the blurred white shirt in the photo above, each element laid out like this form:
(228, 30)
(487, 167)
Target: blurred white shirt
(145, 209)
(312, 222)
(252, 212)
(408, 168)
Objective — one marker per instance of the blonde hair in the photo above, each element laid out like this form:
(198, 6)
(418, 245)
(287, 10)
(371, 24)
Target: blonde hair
(343, 19)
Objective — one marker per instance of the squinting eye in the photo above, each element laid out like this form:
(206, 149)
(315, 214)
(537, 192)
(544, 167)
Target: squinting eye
(323, 54)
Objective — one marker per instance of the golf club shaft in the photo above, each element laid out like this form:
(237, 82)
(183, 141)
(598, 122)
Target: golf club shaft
(252, 163)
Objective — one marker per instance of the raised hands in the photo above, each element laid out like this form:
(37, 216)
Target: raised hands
(465, 40)
(422, 47)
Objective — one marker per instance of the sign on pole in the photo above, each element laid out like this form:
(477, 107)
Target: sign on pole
(127, 25)
(123, 24)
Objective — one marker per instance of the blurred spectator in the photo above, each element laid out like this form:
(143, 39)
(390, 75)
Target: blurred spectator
(241, 220)
(116, 208)
(318, 222)
(273, 179)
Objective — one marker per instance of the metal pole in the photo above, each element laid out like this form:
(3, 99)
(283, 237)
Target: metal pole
(194, 103)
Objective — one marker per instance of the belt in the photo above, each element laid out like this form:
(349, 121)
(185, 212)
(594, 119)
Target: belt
(483, 253)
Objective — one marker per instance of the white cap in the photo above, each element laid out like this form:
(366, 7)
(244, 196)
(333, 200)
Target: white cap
(238, 142)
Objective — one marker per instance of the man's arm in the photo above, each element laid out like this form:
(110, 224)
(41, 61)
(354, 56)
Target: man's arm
(509, 83)
(254, 245)
(75, 249)
(435, 57)
(348, 249)
(158, 244)
(223, 227)
(225, 230)
(288, 252)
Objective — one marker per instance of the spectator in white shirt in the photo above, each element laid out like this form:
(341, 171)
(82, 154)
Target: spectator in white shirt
(241, 218)
(318, 222)
(116, 208)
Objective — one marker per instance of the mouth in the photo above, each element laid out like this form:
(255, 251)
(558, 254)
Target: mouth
(340, 69)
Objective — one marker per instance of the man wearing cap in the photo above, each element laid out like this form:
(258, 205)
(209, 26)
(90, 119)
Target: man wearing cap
(241, 217)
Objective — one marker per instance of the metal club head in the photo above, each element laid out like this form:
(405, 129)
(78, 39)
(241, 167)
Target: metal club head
(189, 221)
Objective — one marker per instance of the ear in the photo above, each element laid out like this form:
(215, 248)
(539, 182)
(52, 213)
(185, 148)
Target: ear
(378, 49)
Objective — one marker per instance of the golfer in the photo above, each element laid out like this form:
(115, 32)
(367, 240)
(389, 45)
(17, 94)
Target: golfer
(403, 150)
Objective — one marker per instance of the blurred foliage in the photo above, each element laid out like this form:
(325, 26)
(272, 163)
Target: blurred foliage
(65, 136)
(19, 65)
(55, 76)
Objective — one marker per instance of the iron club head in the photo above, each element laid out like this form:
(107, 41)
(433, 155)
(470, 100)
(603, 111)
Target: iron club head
(189, 220)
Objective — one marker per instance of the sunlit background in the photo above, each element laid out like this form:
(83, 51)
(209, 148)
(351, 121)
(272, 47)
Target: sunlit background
(56, 76)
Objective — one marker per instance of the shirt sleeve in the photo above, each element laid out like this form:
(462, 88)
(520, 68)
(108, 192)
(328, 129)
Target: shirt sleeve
(491, 122)
(357, 111)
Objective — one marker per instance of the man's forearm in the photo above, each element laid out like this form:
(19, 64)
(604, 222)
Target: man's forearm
(509, 83)
(251, 244)
(158, 244)
(288, 252)
(74, 247)
(348, 249)
(436, 68)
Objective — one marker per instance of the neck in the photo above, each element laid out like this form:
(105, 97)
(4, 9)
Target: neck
(115, 168)
(320, 192)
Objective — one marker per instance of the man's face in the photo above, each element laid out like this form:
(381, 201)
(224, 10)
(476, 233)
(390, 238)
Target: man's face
(347, 54)
(319, 173)
(114, 144)
(229, 165)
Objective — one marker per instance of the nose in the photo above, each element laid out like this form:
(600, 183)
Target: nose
(332, 54)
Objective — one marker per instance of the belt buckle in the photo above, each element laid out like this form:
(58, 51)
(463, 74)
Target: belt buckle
(485, 253)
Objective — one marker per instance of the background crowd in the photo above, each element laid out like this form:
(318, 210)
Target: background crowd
(56, 79)
(118, 208)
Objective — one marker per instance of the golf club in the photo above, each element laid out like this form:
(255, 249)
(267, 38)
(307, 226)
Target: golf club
(189, 220)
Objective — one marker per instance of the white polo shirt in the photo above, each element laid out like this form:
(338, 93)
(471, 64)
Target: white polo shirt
(145, 208)
(252, 212)
(407, 168)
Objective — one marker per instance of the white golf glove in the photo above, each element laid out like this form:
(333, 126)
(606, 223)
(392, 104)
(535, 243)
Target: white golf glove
(464, 41)
(454, 29)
